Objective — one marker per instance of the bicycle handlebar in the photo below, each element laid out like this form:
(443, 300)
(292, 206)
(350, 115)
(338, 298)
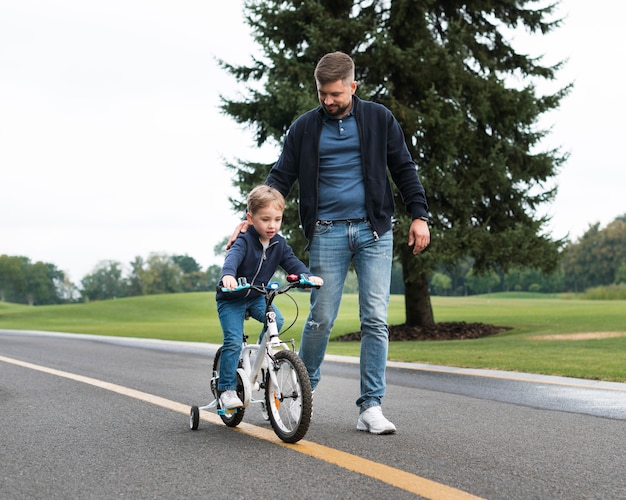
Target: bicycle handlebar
(293, 281)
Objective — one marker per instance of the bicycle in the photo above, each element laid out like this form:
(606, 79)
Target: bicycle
(270, 366)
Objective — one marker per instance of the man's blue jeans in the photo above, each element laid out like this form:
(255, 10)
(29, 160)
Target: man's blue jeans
(232, 314)
(334, 247)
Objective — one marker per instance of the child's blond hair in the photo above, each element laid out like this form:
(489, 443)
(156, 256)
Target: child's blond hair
(263, 196)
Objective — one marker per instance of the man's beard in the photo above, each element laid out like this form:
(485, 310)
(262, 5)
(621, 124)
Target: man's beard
(341, 110)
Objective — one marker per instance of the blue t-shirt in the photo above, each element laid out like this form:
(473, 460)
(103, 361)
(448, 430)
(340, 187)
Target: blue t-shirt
(341, 188)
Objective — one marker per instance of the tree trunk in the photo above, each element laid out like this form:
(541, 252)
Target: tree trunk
(419, 311)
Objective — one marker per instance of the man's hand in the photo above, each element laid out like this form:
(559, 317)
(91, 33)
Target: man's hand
(316, 279)
(241, 228)
(419, 235)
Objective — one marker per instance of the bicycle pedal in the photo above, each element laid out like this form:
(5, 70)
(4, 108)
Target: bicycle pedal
(227, 411)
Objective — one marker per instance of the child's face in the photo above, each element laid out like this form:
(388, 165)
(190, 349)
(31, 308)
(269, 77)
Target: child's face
(266, 221)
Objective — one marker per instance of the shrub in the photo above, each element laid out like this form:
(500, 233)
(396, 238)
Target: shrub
(611, 292)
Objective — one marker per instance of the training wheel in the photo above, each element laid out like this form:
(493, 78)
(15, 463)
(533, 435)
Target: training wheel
(194, 418)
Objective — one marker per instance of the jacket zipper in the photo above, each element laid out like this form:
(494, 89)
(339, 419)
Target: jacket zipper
(263, 258)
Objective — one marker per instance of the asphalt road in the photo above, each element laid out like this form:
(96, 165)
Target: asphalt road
(102, 417)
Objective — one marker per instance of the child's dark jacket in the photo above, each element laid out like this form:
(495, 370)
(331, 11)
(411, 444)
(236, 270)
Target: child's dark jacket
(247, 258)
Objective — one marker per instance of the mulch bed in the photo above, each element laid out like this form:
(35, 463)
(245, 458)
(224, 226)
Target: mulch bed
(439, 331)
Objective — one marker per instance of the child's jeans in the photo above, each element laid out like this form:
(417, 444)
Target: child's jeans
(232, 314)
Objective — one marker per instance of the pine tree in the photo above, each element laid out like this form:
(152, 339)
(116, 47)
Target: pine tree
(450, 76)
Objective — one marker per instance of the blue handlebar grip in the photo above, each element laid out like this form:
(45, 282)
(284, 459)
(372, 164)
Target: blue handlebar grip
(236, 289)
(306, 282)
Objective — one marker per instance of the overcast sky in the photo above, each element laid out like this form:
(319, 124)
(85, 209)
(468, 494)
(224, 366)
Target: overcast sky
(112, 144)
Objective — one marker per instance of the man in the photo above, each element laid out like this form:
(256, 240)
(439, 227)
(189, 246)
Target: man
(340, 153)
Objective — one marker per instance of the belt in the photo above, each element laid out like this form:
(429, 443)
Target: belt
(345, 221)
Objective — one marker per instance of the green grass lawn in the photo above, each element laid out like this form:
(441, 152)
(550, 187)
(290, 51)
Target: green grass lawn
(537, 342)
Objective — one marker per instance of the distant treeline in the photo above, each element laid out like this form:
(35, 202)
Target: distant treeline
(597, 259)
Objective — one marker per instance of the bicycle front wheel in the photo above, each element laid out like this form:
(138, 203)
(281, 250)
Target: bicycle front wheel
(288, 397)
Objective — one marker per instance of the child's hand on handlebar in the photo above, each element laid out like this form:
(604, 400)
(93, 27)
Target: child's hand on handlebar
(229, 282)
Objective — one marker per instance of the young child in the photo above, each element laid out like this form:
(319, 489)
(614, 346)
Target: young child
(255, 255)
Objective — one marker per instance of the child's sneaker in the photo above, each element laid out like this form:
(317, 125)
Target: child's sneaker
(229, 399)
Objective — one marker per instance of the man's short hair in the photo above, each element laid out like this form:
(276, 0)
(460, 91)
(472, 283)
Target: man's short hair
(334, 66)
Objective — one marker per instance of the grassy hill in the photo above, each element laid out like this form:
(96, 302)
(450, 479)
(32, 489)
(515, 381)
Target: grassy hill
(545, 336)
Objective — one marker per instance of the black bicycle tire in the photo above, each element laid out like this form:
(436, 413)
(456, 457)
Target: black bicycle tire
(230, 419)
(279, 407)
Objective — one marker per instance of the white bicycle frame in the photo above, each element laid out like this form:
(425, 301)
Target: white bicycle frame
(253, 364)
(270, 366)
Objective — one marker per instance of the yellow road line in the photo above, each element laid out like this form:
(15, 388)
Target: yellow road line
(389, 475)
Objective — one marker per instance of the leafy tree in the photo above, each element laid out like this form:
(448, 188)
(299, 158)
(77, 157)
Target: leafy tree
(187, 264)
(138, 283)
(68, 291)
(440, 283)
(523, 278)
(482, 283)
(620, 276)
(595, 258)
(40, 284)
(447, 71)
(213, 276)
(22, 281)
(193, 282)
(105, 282)
(12, 277)
(158, 274)
(193, 279)
(220, 248)
(458, 273)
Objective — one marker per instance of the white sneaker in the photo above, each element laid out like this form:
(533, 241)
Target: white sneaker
(229, 399)
(372, 420)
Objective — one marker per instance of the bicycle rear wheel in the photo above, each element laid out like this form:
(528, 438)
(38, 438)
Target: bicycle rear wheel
(289, 401)
(232, 418)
